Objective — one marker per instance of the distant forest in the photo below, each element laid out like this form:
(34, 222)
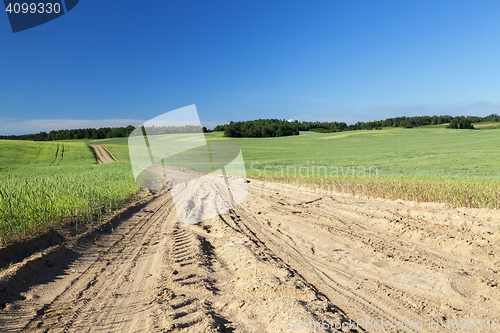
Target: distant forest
(101, 133)
(262, 128)
(82, 133)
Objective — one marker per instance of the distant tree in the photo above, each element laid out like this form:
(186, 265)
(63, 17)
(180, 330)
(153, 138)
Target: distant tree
(454, 123)
(465, 124)
(460, 123)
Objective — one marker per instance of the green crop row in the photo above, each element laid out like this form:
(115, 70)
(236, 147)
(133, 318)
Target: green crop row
(32, 199)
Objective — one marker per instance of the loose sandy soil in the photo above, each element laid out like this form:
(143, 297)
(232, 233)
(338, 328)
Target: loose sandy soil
(103, 154)
(285, 255)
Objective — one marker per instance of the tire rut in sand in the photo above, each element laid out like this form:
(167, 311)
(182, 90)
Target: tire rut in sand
(337, 281)
(189, 284)
(266, 294)
(277, 258)
(105, 295)
(408, 267)
(347, 220)
(340, 286)
(221, 278)
(311, 272)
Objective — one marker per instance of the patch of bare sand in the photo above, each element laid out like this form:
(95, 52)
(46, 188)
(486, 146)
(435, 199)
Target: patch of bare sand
(103, 155)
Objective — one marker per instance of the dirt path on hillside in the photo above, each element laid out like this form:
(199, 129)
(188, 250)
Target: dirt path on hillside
(103, 154)
(285, 257)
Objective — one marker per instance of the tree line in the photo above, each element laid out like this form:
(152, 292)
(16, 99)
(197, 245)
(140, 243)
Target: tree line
(81, 133)
(101, 133)
(263, 128)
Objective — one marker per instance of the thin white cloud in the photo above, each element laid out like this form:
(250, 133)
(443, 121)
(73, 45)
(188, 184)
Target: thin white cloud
(12, 127)
(9, 126)
(351, 116)
(212, 124)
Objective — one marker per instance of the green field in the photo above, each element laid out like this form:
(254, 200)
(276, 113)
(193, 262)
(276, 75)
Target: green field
(408, 153)
(42, 183)
(430, 153)
(424, 164)
(460, 167)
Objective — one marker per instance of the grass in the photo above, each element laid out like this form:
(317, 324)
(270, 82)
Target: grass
(400, 153)
(435, 153)
(460, 167)
(41, 185)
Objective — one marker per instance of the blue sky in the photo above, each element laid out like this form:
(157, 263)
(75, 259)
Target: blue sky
(111, 63)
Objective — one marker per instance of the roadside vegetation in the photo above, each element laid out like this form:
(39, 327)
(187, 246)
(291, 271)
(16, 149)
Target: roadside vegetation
(456, 192)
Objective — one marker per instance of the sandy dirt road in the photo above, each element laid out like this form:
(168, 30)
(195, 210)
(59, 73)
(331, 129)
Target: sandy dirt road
(285, 257)
(103, 154)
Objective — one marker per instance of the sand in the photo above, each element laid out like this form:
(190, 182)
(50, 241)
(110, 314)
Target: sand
(285, 258)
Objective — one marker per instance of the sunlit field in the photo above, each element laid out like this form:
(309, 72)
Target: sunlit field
(45, 183)
(42, 183)
(460, 167)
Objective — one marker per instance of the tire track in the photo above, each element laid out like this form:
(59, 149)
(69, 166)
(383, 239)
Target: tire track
(85, 303)
(274, 258)
(102, 154)
(309, 271)
(371, 229)
(189, 278)
(55, 158)
(62, 154)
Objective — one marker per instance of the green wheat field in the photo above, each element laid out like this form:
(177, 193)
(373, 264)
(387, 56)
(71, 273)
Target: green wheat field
(45, 183)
